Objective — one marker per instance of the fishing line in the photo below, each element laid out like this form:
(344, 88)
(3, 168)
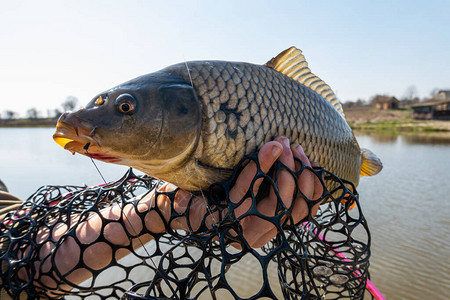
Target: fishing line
(95, 165)
(86, 147)
(189, 73)
(206, 201)
(210, 212)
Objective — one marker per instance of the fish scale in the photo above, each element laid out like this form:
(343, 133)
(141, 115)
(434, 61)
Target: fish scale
(246, 105)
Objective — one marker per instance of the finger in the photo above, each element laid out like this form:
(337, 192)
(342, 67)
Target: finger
(266, 158)
(163, 201)
(307, 183)
(198, 208)
(318, 186)
(285, 181)
(257, 231)
(306, 178)
(318, 191)
(260, 230)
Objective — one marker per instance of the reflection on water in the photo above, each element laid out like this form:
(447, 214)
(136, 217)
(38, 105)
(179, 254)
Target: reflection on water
(442, 138)
(407, 205)
(432, 138)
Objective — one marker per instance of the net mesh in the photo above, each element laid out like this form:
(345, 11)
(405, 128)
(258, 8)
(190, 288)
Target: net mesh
(325, 255)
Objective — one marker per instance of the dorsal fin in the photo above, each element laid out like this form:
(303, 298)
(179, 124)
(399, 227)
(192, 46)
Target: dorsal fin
(292, 63)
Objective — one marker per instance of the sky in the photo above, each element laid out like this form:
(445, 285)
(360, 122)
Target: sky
(50, 50)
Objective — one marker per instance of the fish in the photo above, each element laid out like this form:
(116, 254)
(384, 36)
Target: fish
(191, 123)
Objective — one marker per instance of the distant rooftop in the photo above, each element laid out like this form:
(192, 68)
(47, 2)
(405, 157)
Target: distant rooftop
(442, 95)
(439, 98)
(383, 99)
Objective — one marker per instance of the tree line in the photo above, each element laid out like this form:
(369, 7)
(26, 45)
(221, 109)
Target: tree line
(410, 97)
(70, 103)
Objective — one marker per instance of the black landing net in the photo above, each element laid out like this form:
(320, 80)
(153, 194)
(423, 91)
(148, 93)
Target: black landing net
(325, 256)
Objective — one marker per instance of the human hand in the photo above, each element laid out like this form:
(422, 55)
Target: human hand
(257, 231)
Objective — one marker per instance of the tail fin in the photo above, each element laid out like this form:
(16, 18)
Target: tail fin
(370, 163)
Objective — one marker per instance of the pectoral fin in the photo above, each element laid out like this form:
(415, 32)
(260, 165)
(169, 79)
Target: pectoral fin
(214, 174)
(370, 163)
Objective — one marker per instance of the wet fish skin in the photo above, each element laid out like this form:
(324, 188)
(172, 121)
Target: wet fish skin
(195, 121)
(246, 105)
(153, 138)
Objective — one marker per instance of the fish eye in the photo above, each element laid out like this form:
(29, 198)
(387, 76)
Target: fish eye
(125, 103)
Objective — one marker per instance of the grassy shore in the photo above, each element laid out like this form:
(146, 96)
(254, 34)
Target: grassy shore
(372, 119)
(399, 126)
(44, 122)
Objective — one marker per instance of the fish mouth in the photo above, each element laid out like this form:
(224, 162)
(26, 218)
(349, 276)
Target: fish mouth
(80, 140)
(68, 137)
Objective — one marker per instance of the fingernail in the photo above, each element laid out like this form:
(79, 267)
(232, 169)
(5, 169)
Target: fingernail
(171, 187)
(285, 141)
(299, 149)
(276, 150)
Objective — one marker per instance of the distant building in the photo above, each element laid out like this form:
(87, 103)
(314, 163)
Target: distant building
(436, 108)
(442, 95)
(385, 102)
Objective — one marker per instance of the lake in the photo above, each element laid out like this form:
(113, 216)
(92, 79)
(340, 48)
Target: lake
(407, 205)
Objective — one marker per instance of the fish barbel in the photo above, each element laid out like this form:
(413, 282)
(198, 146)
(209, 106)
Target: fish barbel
(191, 123)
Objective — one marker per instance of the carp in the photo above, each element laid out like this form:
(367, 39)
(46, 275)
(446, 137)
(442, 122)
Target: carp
(191, 123)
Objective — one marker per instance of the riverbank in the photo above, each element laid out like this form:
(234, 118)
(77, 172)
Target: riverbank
(41, 122)
(372, 119)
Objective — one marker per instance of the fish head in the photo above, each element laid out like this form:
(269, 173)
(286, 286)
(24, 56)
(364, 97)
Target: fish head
(151, 123)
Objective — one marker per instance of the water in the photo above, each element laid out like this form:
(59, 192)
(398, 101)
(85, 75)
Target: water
(29, 159)
(407, 205)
